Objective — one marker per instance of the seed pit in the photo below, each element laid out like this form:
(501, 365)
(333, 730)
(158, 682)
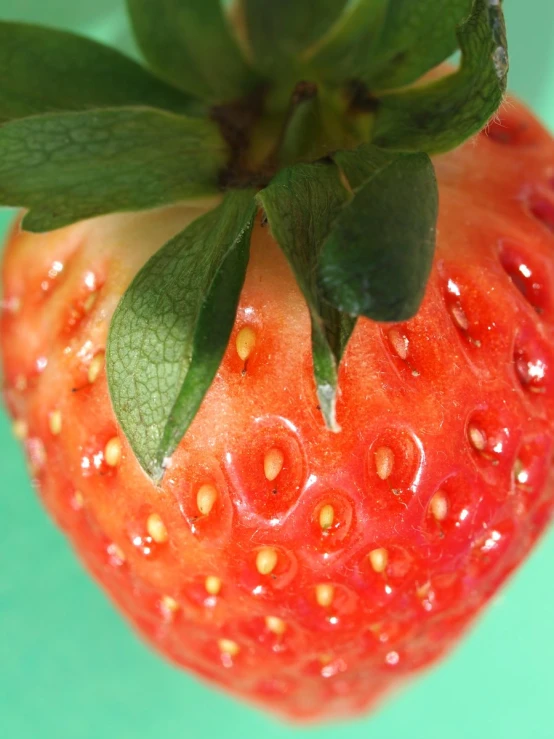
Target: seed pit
(532, 361)
(399, 340)
(508, 129)
(328, 518)
(392, 464)
(542, 208)
(530, 469)
(267, 468)
(493, 437)
(528, 275)
(198, 484)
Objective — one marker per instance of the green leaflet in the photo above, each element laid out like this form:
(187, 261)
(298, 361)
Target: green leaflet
(278, 31)
(171, 328)
(44, 70)
(343, 54)
(440, 115)
(378, 256)
(189, 44)
(416, 36)
(69, 166)
(301, 203)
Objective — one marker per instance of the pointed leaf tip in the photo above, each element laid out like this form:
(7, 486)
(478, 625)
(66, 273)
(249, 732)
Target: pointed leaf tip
(301, 203)
(170, 330)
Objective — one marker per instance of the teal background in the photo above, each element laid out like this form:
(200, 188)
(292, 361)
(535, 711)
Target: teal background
(71, 669)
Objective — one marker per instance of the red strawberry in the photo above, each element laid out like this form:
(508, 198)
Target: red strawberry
(305, 568)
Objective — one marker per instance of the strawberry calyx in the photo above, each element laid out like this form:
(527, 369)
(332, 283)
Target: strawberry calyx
(318, 118)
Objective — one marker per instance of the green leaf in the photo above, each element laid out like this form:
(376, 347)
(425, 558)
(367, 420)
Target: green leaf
(189, 44)
(377, 258)
(69, 166)
(301, 203)
(44, 70)
(439, 116)
(344, 52)
(170, 331)
(416, 36)
(278, 31)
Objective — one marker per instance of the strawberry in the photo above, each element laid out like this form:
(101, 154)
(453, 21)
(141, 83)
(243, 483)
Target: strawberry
(305, 544)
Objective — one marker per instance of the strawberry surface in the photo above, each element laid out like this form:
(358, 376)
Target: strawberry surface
(306, 570)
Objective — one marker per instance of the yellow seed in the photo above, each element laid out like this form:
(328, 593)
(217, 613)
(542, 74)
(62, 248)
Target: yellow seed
(20, 429)
(114, 550)
(326, 516)
(384, 462)
(423, 590)
(379, 559)
(212, 585)
(78, 499)
(228, 646)
(245, 343)
(439, 506)
(273, 463)
(459, 316)
(55, 422)
(266, 561)
(112, 452)
(205, 499)
(477, 438)
(89, 302)
(324, 594)
(95, 367)
(169, 604)
(275, 625)
(399, 343)
(156, 528)
(20, 383)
